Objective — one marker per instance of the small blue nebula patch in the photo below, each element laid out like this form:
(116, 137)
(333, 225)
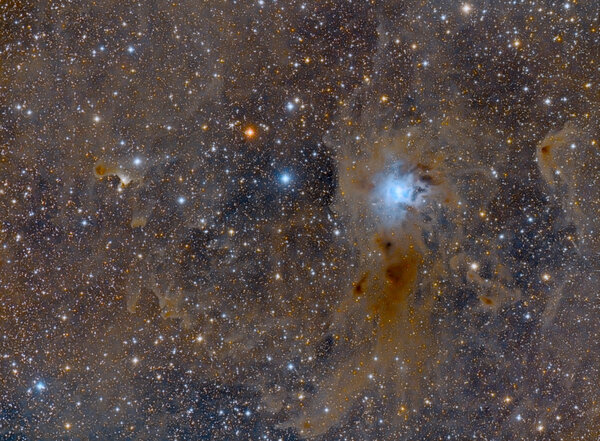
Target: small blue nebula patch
(395, 190)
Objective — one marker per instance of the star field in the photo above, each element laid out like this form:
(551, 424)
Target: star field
(299, 220)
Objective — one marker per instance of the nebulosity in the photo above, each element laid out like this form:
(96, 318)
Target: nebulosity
(310, 220)
(396, 190)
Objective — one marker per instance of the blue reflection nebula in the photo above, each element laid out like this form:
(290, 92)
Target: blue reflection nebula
(395, 190)
(398, 191)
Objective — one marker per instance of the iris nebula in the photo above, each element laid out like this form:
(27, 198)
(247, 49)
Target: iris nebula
(395, 191)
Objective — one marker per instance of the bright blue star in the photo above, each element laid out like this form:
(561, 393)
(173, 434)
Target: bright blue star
(285, 178)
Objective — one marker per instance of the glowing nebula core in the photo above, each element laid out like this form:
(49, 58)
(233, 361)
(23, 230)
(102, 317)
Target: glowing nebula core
(396, 190)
